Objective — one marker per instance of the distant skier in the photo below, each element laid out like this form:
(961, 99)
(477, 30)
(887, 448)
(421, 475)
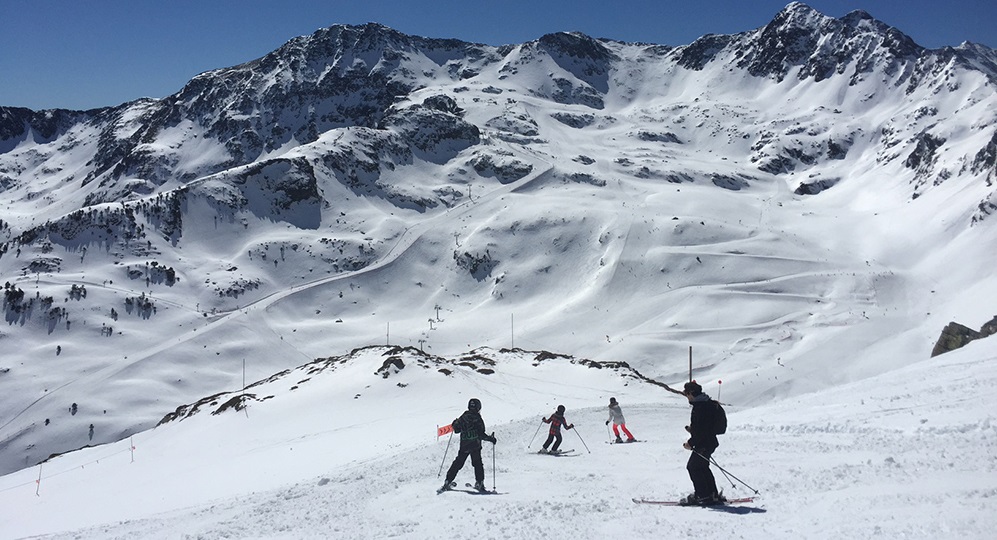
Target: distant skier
(556, 420)
(91, 432)
(616, 417)
(472, 431)
(702, 442)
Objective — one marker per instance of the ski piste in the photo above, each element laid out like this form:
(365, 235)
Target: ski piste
(740, 500)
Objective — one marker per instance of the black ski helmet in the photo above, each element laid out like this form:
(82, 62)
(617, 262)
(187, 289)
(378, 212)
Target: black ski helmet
(474, 405)
(612, 401)
(560, 409)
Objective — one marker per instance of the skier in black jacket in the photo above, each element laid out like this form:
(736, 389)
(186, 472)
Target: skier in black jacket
(702, 442)
(472, 431)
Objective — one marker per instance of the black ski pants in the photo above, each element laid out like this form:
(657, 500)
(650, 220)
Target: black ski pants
(699, 472)
(554, 436)
(468, 448)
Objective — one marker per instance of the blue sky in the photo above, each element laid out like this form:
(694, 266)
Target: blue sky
(84, 54)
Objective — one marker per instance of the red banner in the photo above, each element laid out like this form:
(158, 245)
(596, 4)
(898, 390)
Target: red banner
(441, 431)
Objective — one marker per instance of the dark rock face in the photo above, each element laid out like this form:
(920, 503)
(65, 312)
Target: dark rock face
(577, 121)
(923, 160)
(439, 133)
(956, 335)
(582, 56)
(16, 123)
(503, 167)
(986, 160)
(924, 154)
(813, 188)
(990, 328)
(729, 182)
(703, 51)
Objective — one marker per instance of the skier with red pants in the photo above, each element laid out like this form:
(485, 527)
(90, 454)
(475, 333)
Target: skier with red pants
(616, 417)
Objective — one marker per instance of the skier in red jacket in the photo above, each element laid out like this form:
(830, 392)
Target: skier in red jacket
(556, 420)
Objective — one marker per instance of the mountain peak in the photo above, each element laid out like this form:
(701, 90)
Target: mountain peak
(856, 16)
(575, 44)
(799, 12)
(821, 46)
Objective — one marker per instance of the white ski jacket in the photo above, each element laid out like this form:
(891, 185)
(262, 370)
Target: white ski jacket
(616, 414)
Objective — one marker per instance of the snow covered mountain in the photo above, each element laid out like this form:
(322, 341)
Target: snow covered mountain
(806, 204)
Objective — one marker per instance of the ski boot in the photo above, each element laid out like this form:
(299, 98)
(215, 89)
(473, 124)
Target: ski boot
(689, 500)
(447, 486)
(695, 500)
(717, 499)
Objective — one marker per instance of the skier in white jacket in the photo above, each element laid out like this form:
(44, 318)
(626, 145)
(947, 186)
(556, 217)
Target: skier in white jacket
(616, 417)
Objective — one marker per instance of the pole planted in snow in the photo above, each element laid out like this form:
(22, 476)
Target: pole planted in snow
(445, 455)
(690, 363)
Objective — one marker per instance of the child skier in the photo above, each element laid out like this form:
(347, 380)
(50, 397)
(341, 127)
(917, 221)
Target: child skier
(472, 431)
(616, 417)
(556, 420)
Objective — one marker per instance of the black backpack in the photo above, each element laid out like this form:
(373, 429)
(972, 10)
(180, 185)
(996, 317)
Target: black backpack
(719, 419)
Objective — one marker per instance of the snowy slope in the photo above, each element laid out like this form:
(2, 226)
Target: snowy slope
(806, 205)
(906, 454)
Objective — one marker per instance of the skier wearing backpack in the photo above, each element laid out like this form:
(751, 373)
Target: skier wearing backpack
(616, 417)
(702, 428)
(556, 420)
(472, 431)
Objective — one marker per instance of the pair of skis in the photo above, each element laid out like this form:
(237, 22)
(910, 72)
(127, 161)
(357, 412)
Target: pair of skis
(471, 490)
(559, 453)
(740, 500)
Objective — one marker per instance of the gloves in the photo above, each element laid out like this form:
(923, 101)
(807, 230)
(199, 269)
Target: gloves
(607, 422)
(572, 426)
(545, 420)
(491, 438)
(688, 429)
(686, 445)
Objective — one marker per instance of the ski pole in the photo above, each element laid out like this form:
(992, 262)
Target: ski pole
(535, 435)
(609, 432)
(726, 472)
(727, 476)
(493, 464)
(445, 455)
(581, 439)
